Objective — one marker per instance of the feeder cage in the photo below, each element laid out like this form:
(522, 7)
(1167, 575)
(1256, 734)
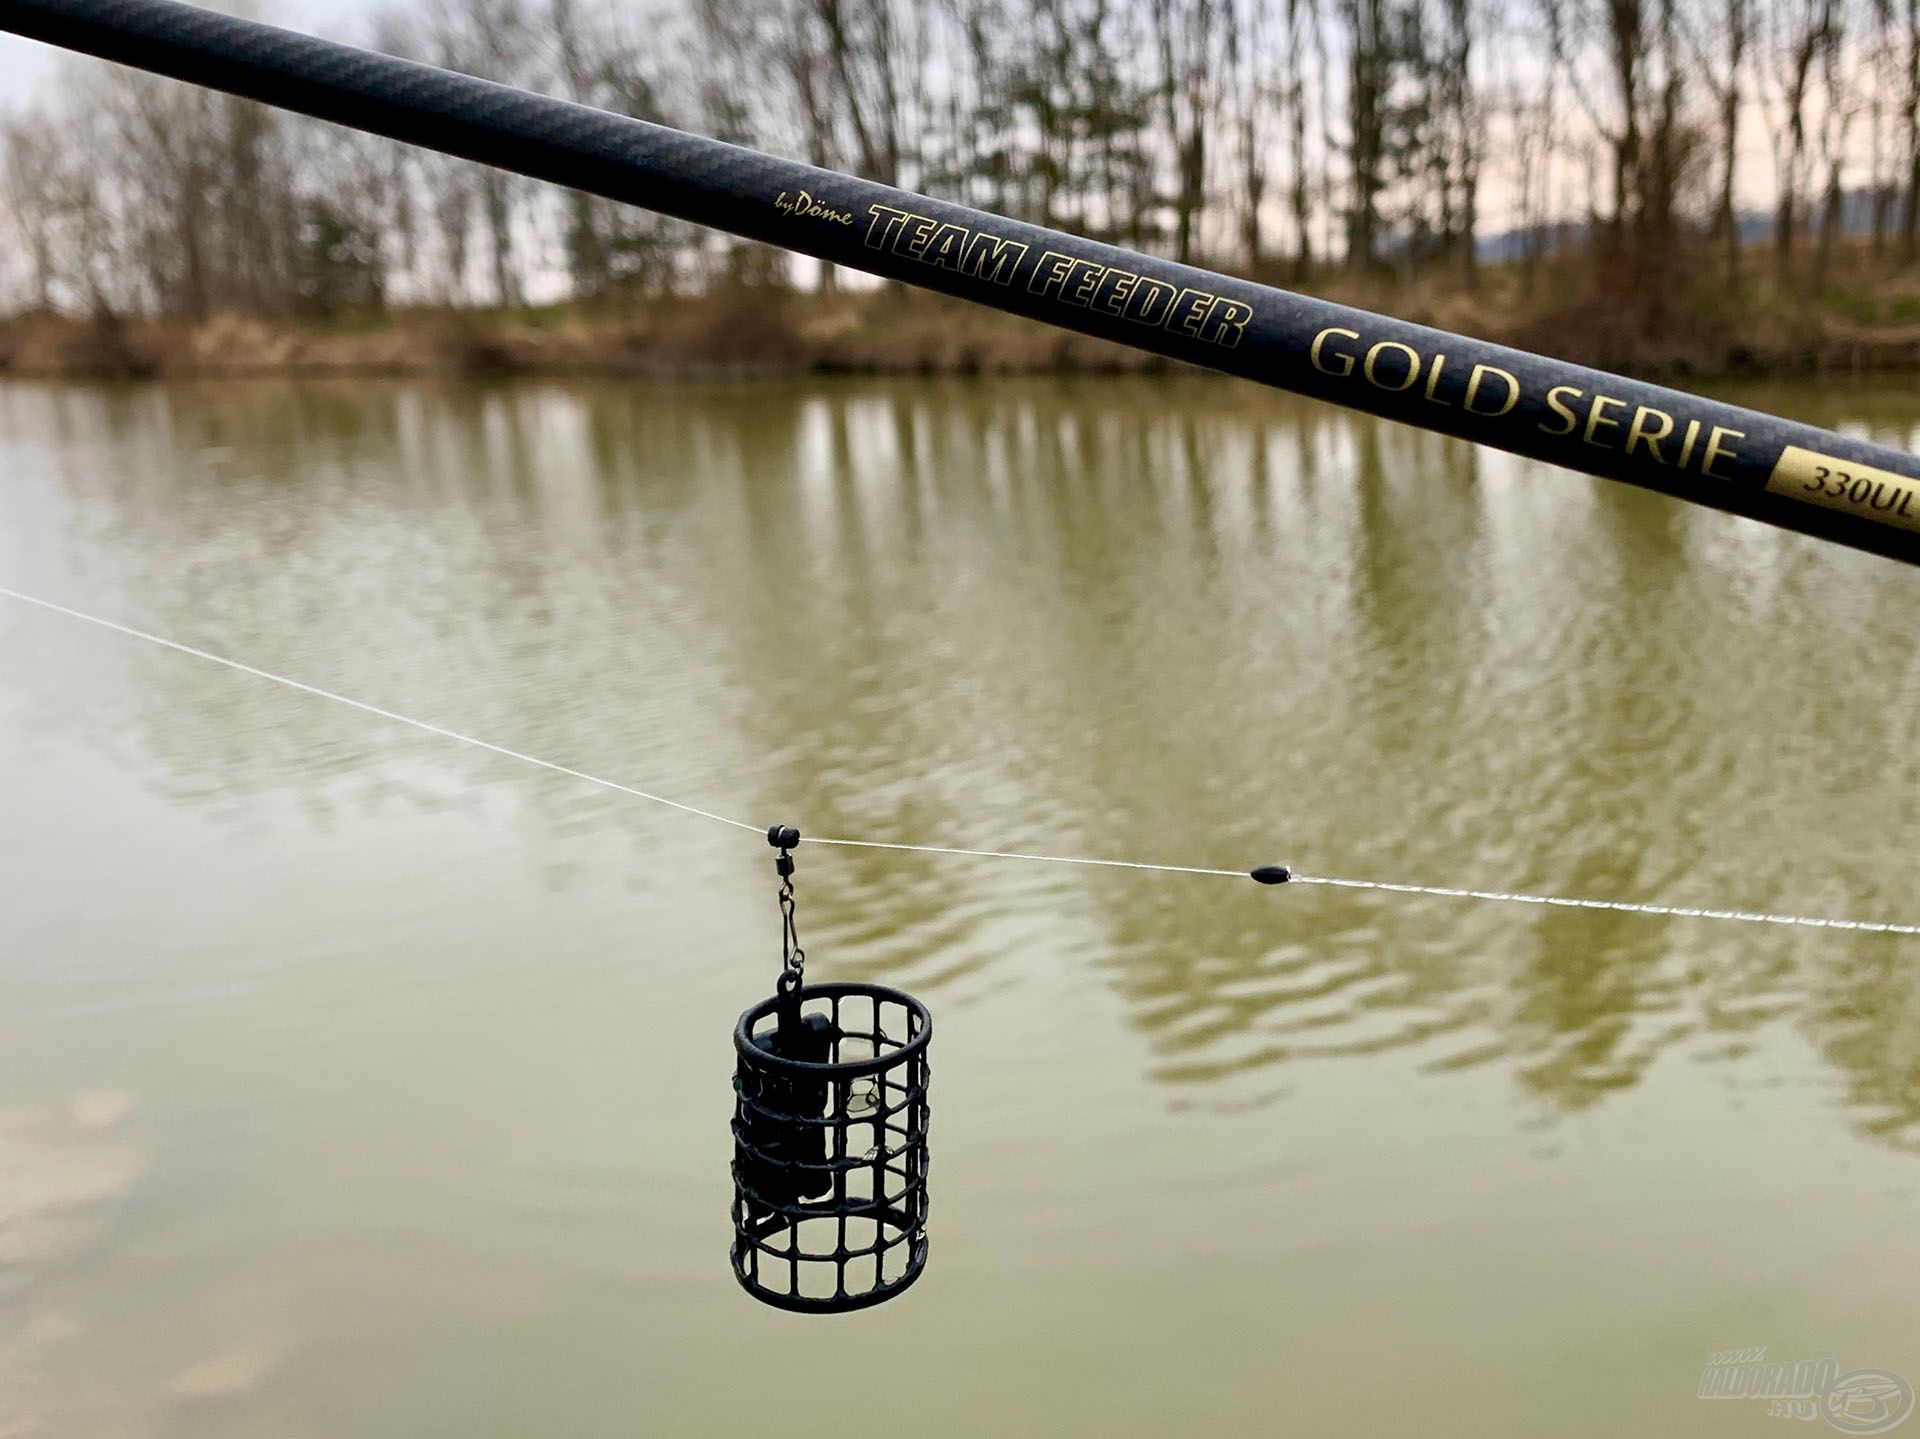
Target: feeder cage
(830, 1146)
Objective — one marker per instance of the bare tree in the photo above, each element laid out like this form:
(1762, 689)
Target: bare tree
(866, 51)
(1839, 110)
(1910, 116)
(1189, 37)
(1800, 31)
(1369, 73)
(1247, 67)
(32, 188)
(1724, 69)
(1302, 18)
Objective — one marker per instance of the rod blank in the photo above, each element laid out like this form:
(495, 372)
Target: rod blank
(1795, 476)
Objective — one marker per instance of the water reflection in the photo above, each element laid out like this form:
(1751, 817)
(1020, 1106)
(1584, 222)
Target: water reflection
(69, 1173)
(1180, 621)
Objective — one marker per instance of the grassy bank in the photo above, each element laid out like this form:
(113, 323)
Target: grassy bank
(1867, 318)
(739, 332)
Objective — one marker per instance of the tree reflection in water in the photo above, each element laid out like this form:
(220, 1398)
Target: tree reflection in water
(1173, 620)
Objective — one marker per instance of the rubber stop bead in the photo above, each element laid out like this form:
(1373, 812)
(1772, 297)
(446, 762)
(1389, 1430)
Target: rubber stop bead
(1272, 874)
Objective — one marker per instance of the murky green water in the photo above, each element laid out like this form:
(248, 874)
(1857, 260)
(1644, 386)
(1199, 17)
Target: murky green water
(355, 1083)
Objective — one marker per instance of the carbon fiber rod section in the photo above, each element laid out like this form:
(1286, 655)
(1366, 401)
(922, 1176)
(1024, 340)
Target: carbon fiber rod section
(1795, 476)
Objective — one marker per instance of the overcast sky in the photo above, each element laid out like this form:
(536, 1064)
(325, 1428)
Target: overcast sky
(25, 64)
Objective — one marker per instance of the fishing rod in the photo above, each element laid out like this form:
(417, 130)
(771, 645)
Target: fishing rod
(1798, 477)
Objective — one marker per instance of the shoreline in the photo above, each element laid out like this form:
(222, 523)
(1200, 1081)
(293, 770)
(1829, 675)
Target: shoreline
(776, 333)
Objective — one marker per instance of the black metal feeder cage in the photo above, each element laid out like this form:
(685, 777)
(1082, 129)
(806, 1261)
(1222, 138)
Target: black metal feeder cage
(830, 1146)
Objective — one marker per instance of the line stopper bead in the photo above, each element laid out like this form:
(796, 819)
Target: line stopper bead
(1271, 874)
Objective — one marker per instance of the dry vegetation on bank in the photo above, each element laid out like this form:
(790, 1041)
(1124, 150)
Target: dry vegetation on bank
(1867, 319)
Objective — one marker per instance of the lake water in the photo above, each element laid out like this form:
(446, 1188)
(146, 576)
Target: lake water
(353, 1082)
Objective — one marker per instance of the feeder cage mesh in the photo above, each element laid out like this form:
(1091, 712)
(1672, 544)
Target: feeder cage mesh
(830, 1147)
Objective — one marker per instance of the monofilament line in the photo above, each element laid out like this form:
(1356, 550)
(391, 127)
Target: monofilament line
(361, 705)
(1745, 916)
(1035, 858)
(1438, 891)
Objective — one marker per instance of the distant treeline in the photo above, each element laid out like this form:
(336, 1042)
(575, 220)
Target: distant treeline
(1280, 137)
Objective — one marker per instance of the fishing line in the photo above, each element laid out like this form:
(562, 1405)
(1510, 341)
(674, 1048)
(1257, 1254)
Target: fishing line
(1266, 874)
(1622, 906)
(1036, 858)
(362, 705)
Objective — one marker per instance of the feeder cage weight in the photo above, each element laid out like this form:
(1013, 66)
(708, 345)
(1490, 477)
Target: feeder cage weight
(829, 1137)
